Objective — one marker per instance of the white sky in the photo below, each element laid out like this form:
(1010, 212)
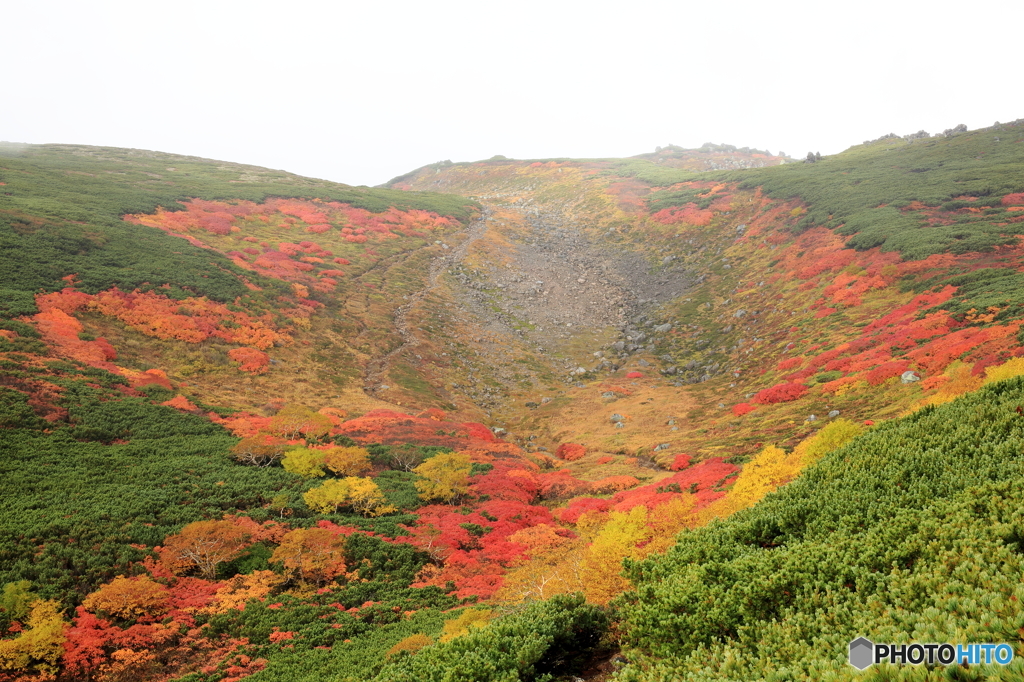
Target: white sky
(360, 92)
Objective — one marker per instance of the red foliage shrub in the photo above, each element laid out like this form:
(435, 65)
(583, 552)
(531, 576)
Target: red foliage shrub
(635, 375)
(504, 483)
(800, 374)
(741, 409)
(572, 512)
(680, 462)
(571, 452)
(780, 393)
(1015, 199)
(605, 460)
(887, 370)
(790, 363)
(561, 485)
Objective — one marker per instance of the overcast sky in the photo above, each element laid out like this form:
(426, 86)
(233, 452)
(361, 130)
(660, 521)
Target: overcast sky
(360, 92)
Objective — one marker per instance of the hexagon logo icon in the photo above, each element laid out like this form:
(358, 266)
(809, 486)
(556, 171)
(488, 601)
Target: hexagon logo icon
(862, 653)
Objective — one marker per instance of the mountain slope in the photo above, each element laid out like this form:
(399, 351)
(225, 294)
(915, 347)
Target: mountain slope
(381, 405)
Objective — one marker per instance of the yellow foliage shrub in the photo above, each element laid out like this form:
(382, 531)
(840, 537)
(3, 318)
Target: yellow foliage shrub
(832, 436)
(39, 647)
(347, 461)
(304, 462)
(361, 494)
(444, 476)
(1014, 367)
(468, 620)
(410, 644)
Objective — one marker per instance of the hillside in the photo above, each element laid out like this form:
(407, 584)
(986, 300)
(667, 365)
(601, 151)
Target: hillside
(257, 425)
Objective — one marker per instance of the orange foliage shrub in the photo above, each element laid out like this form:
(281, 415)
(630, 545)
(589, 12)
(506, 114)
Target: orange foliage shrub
(560, 485)
(129, 599)
(204, 545)
(250, 360)
(741, 409)
(613, 484)
(180, 402)
(312, 554)
(690, 214)
(192, 320)
(571, 452)
(395, 428)
(151, 377)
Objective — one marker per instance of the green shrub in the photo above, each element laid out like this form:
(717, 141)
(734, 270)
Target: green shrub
(869, 541)
(545, 640)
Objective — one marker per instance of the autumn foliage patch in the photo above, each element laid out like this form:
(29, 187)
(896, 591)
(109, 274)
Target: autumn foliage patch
(780, 393)
(571, 452)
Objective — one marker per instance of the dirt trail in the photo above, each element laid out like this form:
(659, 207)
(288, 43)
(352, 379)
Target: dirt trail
(377, 370)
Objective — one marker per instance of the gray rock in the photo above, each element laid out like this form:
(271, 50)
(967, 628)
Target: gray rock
(812, 418)
(609, 395)
(663, 446)
(643, 363)
(619, 425)
(545, 399)
(833, 414)
(617, 418)
(662, 328)
(909, 377)
(739, 313)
